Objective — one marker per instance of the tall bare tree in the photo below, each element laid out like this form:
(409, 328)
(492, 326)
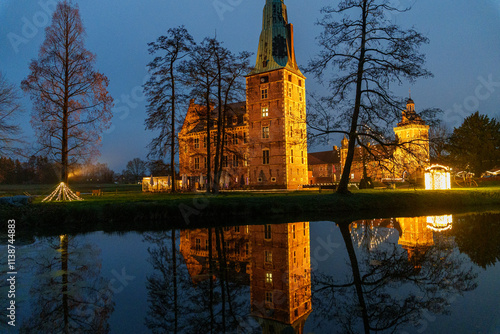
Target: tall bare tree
(368, 52)
(9, 107)
(162, 90)
(72, 106)
(200, 74)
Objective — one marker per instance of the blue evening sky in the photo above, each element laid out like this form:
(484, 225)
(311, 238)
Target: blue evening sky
(463, 54)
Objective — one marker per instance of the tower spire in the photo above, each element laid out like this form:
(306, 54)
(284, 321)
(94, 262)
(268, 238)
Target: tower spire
(276, 49)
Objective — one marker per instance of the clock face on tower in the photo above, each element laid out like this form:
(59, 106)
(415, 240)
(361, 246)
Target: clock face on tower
(264, 79)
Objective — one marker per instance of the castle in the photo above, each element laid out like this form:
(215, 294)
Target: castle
(266, 139)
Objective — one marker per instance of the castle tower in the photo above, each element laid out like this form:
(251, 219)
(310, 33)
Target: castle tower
(276, 107)
(412, 156)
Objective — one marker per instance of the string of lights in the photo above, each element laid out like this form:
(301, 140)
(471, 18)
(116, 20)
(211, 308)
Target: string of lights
(62, 193)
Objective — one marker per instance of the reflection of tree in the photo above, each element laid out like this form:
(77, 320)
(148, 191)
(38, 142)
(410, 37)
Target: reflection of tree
(68, 293)
(385, 290)
(478, 236)
(205, 304)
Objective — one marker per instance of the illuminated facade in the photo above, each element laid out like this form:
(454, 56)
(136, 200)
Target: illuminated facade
(267, 133)
(274, 260)
(437, 177)
(407, 160)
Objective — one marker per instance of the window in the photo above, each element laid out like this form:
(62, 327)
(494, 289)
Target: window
(265, 157)
(268, 256)
(235, 139)
(236, 229)
(197, 143)
(264, 93)
(291, 156)
(225, 140)
(245, 160)
(273, 179)
(290, 91)
(305, 253)
(302, 155)
(300, 98)
(265, 132)
(196, 163)
(224, 161)
(198, 244)
(294, 257)
(245, 139)
(290, 77)
(205, 162)
(205, 142)
(293, 231)
(187, 235)
(235, 161)
(247, 249)
(237, 249)
(206, 244)
(267, 231)
(269, 278)
(265, 111)
(300, 83)
(304, 228)
(269, 297)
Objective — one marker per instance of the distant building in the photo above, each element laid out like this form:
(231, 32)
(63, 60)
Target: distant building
(266, 134)
(405, 160)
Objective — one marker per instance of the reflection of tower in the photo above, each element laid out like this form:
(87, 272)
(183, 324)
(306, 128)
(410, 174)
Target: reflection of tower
(416, 238)
(64, 279)
(440, 223)
(280, 283)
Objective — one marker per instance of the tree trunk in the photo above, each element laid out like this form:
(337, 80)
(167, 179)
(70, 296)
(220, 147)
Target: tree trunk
(344, 180)
(172, 139)
(64, 280)
(209, 169)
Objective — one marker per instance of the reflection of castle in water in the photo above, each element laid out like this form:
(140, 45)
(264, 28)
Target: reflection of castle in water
(273, 259)
(416, 234)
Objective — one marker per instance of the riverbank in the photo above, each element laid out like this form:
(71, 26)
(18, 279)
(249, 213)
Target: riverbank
(133, 210)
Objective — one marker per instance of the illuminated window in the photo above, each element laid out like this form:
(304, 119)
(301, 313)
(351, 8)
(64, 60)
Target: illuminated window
(196, 163)
(269, 278)
(265, 157)
(265, 132)
(268, 256)
(265, 111)
(197, 143)
(245, 160)
(293, 231)
(264, 93)
(267, 231)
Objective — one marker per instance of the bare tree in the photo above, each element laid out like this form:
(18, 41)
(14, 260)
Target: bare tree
(136, 169)
(369, 53)
(162, 90)
(201, 76)
(9, 107)
(72, 106)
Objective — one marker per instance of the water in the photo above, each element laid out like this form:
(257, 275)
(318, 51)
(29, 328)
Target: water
(395, 275)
